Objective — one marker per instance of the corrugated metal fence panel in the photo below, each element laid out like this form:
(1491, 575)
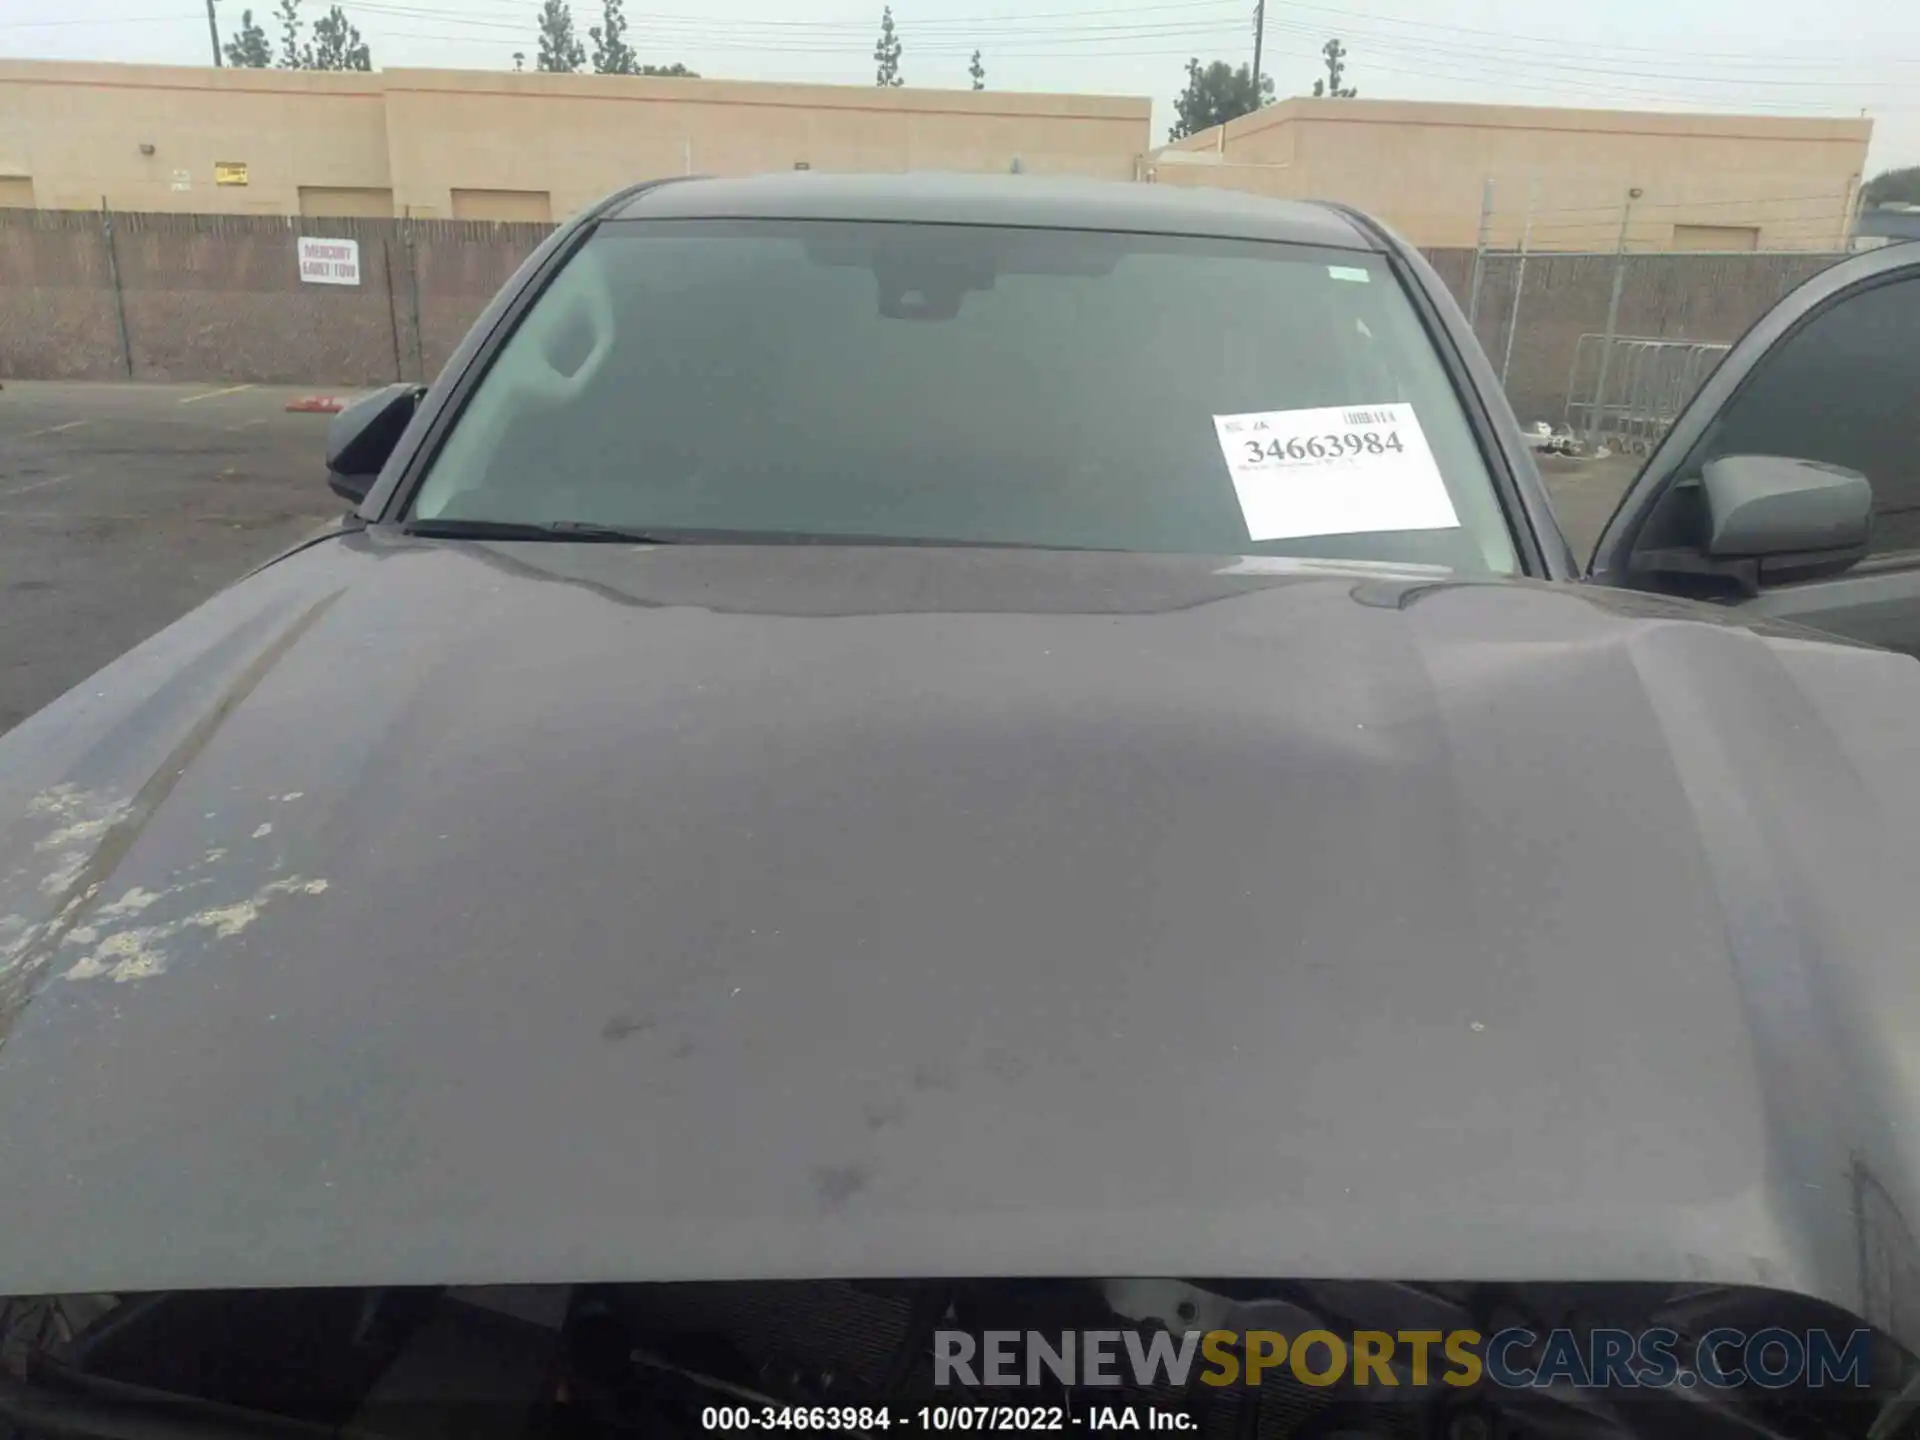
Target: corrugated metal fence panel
(220, 297)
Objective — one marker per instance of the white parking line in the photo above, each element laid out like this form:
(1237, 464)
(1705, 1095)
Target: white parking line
(53, 429)
(211, 394)
(36, 485)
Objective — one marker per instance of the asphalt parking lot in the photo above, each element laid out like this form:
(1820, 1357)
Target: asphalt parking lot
(124, 506)
(1585, 493)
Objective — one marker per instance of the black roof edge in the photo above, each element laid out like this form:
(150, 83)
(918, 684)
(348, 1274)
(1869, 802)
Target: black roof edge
(1232, 221)
(1368, 227)
(606, 203)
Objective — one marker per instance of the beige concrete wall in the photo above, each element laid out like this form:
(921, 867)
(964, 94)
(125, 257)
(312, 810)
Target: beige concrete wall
(577, 136)
(1422, 167)
(77, 131)
(521, 206)
(1721, 239)
(363, 202)
(74, 133)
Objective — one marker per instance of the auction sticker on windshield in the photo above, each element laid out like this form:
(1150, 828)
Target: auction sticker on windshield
(1340, 470)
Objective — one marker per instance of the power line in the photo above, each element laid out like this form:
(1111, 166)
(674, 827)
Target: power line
(113, 23)
(723, 32)
(717, 33)
(1562, 41)
(825, 37)
(1018, 23)
(824, 45)
(1090, 51)
(1559, 88)
(706, 37)
(1181, 20)
(1004, 24)
(1424, 50)
(699, 34)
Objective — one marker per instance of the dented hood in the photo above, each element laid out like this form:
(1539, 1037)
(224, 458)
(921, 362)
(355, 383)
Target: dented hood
(417, 912)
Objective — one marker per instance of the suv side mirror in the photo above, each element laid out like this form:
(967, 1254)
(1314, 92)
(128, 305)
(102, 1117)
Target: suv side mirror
(363, 435)
(1756, 520)
(1799, 519)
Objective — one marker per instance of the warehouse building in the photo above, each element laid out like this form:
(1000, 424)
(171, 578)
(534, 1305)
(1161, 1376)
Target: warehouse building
(496, 146)
(535, 147)
(1552, 179)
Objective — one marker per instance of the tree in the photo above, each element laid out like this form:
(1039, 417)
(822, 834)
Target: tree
(675, 69)
(612, 55)
(248, 50)
(1329, 88)
(560, 48)
(292, 55)
(337, 44)
(1893, 187)
(887, 53)
(978, 72)
(1215, 95)
(519, 61)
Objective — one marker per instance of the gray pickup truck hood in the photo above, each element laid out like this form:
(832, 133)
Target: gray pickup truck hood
(418, 911)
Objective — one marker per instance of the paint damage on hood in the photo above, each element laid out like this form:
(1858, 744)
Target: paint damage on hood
(71, 839)
(551, 912)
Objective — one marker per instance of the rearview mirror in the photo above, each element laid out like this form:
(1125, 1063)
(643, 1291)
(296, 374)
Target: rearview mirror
(363, 435)
(1797, 518)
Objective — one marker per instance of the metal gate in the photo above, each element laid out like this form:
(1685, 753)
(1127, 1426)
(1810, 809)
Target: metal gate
(1626, 390)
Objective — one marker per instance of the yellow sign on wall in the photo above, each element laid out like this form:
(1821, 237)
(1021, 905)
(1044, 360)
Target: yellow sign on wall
(229, 172)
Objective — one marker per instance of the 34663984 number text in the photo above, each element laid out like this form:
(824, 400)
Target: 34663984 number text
(1324, 447)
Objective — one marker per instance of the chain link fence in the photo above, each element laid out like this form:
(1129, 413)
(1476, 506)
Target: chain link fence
(1609, 345)
(88, 295)
(94, 295)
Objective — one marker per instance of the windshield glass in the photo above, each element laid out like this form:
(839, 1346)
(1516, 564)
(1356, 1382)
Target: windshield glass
(975, 385)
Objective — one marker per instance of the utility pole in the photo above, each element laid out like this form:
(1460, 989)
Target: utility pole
(1259, 38)
(1520, 279)
(213, 29)
(1613, 319)
(1480, 252)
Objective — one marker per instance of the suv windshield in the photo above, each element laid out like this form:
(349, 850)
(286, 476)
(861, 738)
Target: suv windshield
(974, 385)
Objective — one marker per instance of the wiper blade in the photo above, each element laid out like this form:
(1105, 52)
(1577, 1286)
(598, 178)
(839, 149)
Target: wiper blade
(591, 531)
(581, 530)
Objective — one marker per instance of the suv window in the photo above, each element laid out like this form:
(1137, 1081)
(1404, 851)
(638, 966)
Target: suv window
(977, 385)
(1843, 388)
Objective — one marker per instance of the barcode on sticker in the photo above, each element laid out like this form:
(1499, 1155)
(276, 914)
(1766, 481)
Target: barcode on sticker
(1368, 417)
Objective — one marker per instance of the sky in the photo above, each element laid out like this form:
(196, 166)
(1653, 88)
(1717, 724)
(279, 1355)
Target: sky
(1776, 57)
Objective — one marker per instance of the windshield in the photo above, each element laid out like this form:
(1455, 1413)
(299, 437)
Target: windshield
(973, 385)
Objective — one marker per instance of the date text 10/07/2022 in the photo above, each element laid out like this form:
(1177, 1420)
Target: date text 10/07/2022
(939, 1419)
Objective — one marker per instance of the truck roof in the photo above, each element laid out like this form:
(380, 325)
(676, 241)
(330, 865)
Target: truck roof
(1022, 200)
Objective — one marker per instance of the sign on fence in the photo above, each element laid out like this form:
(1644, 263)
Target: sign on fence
(329, 262)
